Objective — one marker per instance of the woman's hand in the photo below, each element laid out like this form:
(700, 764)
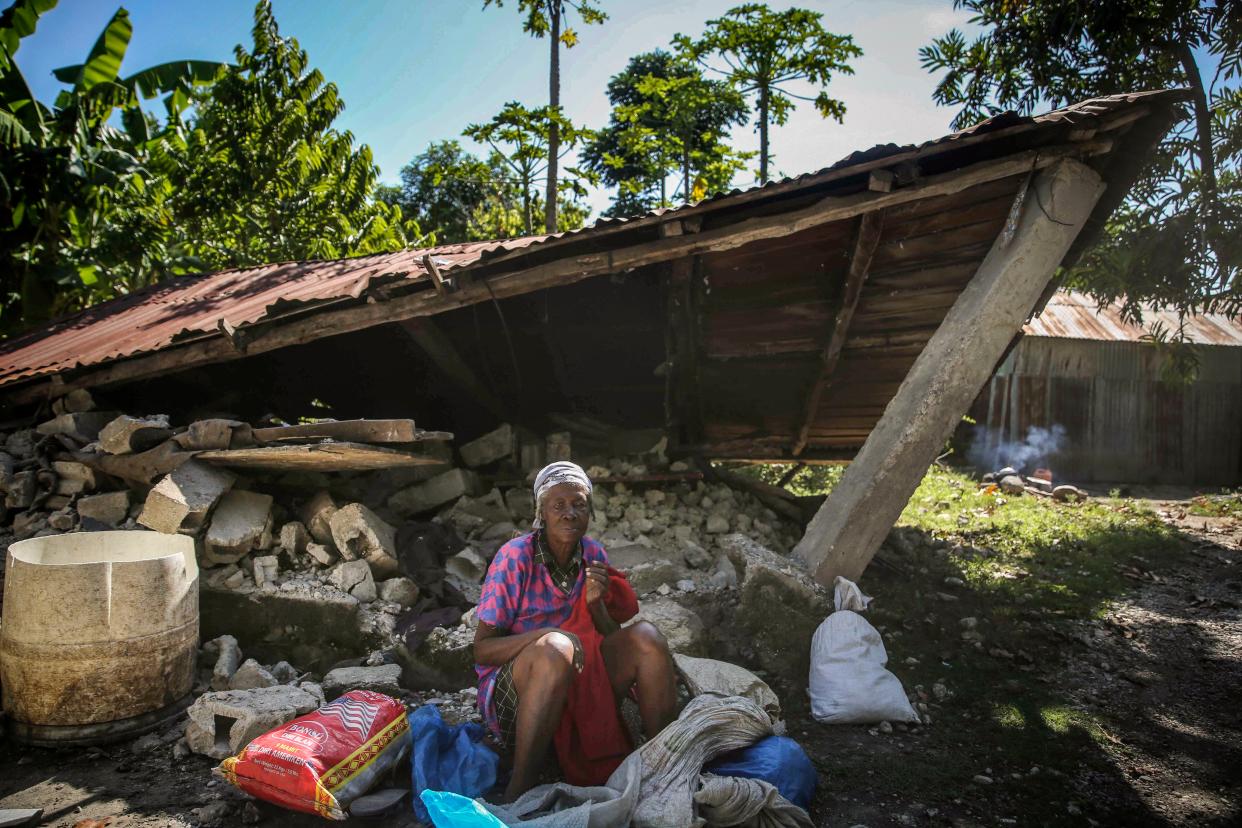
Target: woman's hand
(596, 583)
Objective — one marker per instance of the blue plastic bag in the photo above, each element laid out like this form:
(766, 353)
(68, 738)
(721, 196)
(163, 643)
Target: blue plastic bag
(450, 810)
(776, 759)
(451, 759)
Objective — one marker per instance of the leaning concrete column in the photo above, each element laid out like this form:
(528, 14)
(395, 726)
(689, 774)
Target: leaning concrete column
(852, 523)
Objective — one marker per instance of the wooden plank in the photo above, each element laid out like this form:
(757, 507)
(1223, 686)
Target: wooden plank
(357, 431)
(945, 378)
(320, 322)
(446, 359)
(433, 270)
(870, 228)
(328, 456)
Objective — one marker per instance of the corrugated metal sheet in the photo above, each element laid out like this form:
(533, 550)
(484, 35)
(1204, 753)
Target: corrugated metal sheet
(193, 307)
(1071, 315)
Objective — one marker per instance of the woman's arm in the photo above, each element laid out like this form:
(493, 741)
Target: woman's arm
(604, 623)
(493, 647)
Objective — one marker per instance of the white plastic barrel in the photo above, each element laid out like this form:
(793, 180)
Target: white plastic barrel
(99, 633)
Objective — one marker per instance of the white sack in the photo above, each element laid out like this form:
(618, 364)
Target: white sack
(848, 683)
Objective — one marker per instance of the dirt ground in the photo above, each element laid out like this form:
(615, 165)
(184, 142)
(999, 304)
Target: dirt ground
(1129, 716)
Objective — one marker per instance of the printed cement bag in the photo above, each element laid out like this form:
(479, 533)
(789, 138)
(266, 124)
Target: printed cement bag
(848, 682)
(320, 762)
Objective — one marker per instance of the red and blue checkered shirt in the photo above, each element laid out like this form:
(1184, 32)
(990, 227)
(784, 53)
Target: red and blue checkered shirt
(519, 595)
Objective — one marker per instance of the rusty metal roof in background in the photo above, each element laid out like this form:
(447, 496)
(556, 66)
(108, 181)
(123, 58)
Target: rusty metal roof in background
(194, 307)
(1071, 315)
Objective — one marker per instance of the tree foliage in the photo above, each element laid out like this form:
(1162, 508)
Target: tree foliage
(265, 177)
(80, 206)
(1176, 239)
(546, 18)
(763, 52)
(519, 137)
(667, 119)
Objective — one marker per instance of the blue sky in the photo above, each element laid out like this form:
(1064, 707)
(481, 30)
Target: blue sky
(415, 71)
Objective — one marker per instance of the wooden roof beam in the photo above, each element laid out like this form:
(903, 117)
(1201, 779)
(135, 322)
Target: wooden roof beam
(866, 239)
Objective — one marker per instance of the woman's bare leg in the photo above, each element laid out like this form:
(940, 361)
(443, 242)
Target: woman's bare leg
(638, 656)
(542, 675)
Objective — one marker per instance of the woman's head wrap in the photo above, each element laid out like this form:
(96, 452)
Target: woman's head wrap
(555, 474)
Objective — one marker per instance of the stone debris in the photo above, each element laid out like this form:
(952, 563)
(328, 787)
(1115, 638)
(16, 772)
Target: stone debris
(317, 517)
(293, 540)
(228, 655)
(321, 554)
(436, 492)
(82, 426)
(402, 591)
(490, 448)
(385, 678)
(127, 435)
(682, 628)
(75, 478)
(109, 508)
(238, 525)
(250, 675)
(184, 497)
(266, 571)
(355, 578)
(360, 534)
(222, 723)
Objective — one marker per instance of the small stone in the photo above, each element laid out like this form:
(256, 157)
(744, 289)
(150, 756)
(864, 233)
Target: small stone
(686, 585)
(355, 578)
(725, 574)
(321, 554)
(401, 591)
(293, 539)
(940, 692)
(284, 672)
(885, 728)
(969, 623)
(664, 589)
(1011, 484)
(266, 570)
(62, 520)
(696, 556)
(250, 814)
(251, 675)
(982, 779)
(227, 662)
(717, 524)
(384, 678)
(954, 582)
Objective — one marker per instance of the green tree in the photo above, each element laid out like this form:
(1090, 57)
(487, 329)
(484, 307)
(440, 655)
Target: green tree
(1175, 241)
(666, 118)
(458, 196)
(265, 177)
(82, 215)
(520, 138)
(546, 18)
(763, 52)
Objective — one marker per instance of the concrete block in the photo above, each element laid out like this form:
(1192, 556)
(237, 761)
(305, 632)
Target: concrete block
(110, 508)
(386, 679)
(266, 570)
(221, 724)
(317, 515)
(184, 497)
(439, 490)
(322, 555)
(490, 448)
(126, 435)
(682, 628)
(237, 525)
(360, 534)
(355, 578)
(293, 540)
(250, 675)
(401, 591)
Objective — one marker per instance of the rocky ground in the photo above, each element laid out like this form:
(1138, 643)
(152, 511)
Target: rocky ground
(1075, 664)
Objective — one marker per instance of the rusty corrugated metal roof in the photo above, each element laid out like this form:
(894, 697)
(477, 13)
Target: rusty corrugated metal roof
(193, 307)
(1072, 315)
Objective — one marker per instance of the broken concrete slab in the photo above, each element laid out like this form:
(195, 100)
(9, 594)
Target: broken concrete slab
(360, 534)
(250, 675)
(127, 435)
(355, 578)
(490, 448)
(83, 426)
(237, 525)
(682, 628)
(182, 500)
(317, 516)
(385, 678)
(439, 490)
(110, 508)
(321, 554)
(222, 723)
(401, 591)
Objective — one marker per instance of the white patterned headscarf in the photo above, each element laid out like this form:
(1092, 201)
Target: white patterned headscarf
(555, 474)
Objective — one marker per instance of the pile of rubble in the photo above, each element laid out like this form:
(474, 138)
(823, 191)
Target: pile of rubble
(325, 545)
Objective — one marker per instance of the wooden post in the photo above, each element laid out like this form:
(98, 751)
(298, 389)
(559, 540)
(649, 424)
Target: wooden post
(849, 528)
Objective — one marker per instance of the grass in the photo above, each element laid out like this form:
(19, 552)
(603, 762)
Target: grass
(1027, 569)
(1226, 504)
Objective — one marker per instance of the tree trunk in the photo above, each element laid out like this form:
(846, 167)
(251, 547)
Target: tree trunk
(554, 100)
(763, 135)
(1203, 129)
(685, 176)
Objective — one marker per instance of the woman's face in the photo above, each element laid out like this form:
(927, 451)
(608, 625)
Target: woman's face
(566, 513)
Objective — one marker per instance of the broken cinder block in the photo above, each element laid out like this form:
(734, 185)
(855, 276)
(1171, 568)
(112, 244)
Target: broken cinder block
(221, 724)
(237, 526)
(184, 497)
(435, 492)
(359, 533)
(126, 435)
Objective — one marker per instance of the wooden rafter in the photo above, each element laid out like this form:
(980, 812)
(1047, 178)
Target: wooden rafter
(870, 228)
(445, 358)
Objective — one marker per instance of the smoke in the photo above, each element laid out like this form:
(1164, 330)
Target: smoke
(989, 452)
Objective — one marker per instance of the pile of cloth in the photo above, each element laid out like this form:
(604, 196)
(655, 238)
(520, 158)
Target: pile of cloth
(662, 783)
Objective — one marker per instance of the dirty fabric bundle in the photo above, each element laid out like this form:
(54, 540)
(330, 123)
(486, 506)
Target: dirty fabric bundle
(657, 784)
(320, 762)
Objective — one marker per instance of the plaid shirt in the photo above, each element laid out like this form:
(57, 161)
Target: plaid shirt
(520, 595)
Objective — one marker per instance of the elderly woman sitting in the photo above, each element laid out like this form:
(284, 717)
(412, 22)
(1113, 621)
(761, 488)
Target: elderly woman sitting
(526, 662)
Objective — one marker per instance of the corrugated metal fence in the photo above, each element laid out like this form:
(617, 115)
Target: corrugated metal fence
(1100, 412)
